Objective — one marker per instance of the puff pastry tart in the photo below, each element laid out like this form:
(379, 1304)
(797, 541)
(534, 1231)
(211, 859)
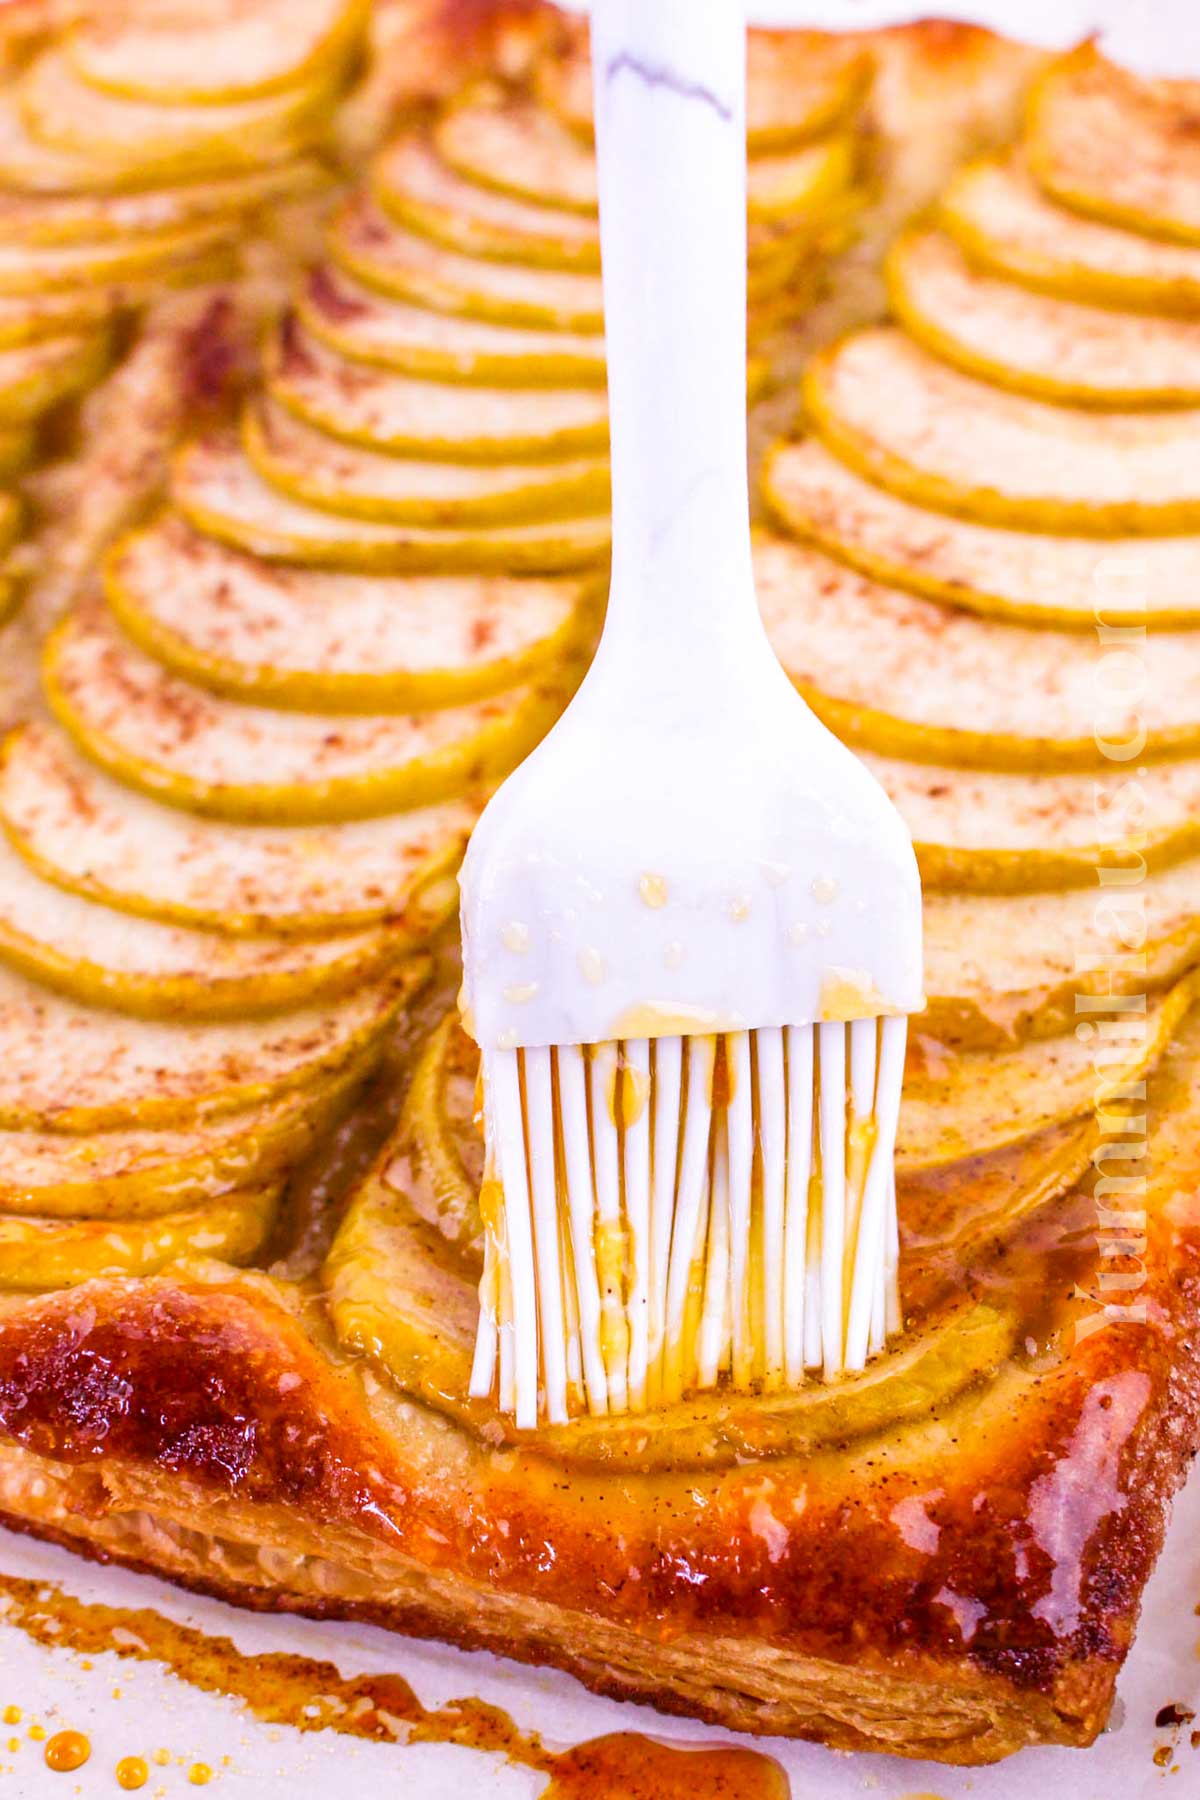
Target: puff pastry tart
(240, 1174)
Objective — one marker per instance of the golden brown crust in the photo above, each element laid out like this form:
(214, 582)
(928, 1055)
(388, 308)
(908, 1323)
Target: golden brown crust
(987, 1577)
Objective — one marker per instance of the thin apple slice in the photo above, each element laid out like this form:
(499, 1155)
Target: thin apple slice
(259, 765)
(219, 492)
(213, 55)
(988, 832)
(990, 694)
(1038, 344)
(48, 219)
(1006, 223)
(309, 466)
(386, 411)
(360, 323)
(1032, 577)
(308, 639)
(40, 1254)
(959, 1105)
(412, 184)
(67, 1067)
(79, 828)
(158, 971)
(38, 375)
(941, 439)
(32, 269)
(1118, 147)
(142, 1173)
(375, 250)
(798, 83)
(1003, 967)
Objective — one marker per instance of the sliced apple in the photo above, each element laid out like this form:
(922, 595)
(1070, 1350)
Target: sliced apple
(959, 1105)
(159, 971)
(36, 376)
(217, 489)
(143, 1173)
(386, 411)
(60, 219)
(303, 638)
(1003, 967)
(1006, 223)
(32, 269)
(73, 1068)
(798, 83)
(39, 1254)
(990, 694)
(412, 183)
(370, 246)
(215, 54)
(1111, 144)
(941, 439)
(258, 765)
(172, 141)
(513, 145)
(989, 832)
(1038, 344)
(309, 466)
(1033, 577)
(79, 828)
(366, 326)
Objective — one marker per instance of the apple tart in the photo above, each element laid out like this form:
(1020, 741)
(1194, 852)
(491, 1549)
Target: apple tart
(241, 1181)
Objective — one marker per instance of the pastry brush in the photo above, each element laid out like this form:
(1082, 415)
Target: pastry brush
(691, 919)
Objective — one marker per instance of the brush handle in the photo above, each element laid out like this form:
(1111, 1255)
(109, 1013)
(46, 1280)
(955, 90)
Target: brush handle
(669, 79)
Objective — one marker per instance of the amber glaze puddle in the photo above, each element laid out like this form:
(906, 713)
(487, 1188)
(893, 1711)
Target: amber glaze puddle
(284, 1689)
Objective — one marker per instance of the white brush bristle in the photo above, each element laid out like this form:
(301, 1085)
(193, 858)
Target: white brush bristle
(665, 1216)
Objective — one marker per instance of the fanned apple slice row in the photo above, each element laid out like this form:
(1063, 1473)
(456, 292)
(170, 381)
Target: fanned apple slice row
(259, 765)
(158, 971)
(798, 84)
(941, 439)
(513, 145)
(313, 640)
(142, 1173)
(173, 141)
(971, 1104)
(1032, 577)
(368, 245)
(989, 832)
(308, 466)
(1118, 147)
(67, 1067)
(39, 1254)
(1003, 967)
(36, 376)
(444, 420)
(907, 676)
(360, 323)
(213, 54)
(31, 269)
(61, 219)
(216, 488)
(1005, 223)
(1038, 344)
(93, 836)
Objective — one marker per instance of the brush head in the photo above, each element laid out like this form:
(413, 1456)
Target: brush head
(686, 862)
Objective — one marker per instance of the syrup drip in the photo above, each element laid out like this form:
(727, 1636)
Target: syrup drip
(67, 1751)
(280, 1688)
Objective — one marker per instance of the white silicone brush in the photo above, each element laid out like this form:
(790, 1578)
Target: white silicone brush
(691, 920)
